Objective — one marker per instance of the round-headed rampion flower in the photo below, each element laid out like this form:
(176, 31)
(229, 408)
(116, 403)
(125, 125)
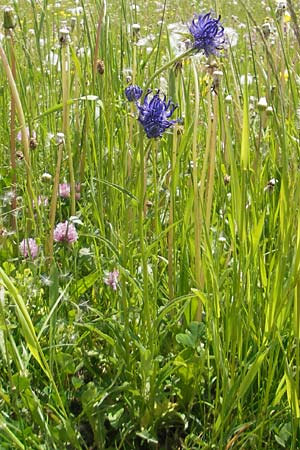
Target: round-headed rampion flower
(133, 92)
(154, 115)
(29, 248)
(112, 279)
(65, 232)
(208, 34)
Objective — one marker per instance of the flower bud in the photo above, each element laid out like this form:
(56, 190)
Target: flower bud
(9, 20)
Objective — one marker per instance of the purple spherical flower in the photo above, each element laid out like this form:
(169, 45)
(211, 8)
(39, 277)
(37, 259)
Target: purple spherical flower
(133, 93)
(29, 248)
(65, 232)
(154, 115)
(208, 34)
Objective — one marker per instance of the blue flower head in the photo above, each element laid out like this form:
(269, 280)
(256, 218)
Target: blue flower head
(208, 34)
(133, 93)
(154, 115)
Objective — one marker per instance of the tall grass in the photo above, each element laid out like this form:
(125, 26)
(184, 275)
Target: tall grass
(198, 345)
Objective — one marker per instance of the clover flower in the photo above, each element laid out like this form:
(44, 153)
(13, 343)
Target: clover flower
(112, 279)
(64, 190)
(154, 115)
(208, 34)
(133, 93)
(65, 232)
(29, 248)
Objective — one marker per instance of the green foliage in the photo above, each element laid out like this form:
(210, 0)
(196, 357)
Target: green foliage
(197, 345)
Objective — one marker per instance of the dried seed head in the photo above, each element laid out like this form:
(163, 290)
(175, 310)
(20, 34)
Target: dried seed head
(64, 36)
(46, 176)
(280, 10)
(100, 66)
(262, 104)
(73, 23)
(148, 204)
(178, 67)
(19, 155)
(33, 143)
(266, 29)
(135, 29)
(226, 179)
(211, 68)
(217, 76)
(271, 184)
(60, 138)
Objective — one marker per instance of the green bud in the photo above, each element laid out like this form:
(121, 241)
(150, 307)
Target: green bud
(9, 20)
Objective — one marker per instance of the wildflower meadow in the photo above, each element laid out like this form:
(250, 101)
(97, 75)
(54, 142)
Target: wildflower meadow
(150, 225)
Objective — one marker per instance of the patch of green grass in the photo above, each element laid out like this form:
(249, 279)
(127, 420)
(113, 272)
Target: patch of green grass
(173, 321)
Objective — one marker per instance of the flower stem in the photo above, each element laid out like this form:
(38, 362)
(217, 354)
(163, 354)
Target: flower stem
(13, 133)
(25, 140)
(49, 247)
(197, 220)
(212, 162)
(99, 25)
(144, 258)
(65, 59)
(166, 66)
(171, 274)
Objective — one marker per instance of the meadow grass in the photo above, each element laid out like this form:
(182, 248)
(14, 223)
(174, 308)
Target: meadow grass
(173, 321)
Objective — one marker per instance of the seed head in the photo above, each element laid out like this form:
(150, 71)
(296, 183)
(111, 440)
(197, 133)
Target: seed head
(100, 66)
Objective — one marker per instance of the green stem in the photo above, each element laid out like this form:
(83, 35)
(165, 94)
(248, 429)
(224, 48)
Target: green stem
(13, 134)
(25, 140)
(171, 274)
(65, 60)
(197, 222)
(212, 162)
(53, 203)
(146, 307)
(166, 66)
(99, 26)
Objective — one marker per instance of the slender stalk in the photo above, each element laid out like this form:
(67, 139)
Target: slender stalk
(155, 148)
(98, 32)
(13, 133)
(65, 61)
(212, 156)
(205, 161)
(294, 21)
(197, 223)
(25, 140)
(171, 274)
(49, 246)
(166, 66)
(144, 257)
